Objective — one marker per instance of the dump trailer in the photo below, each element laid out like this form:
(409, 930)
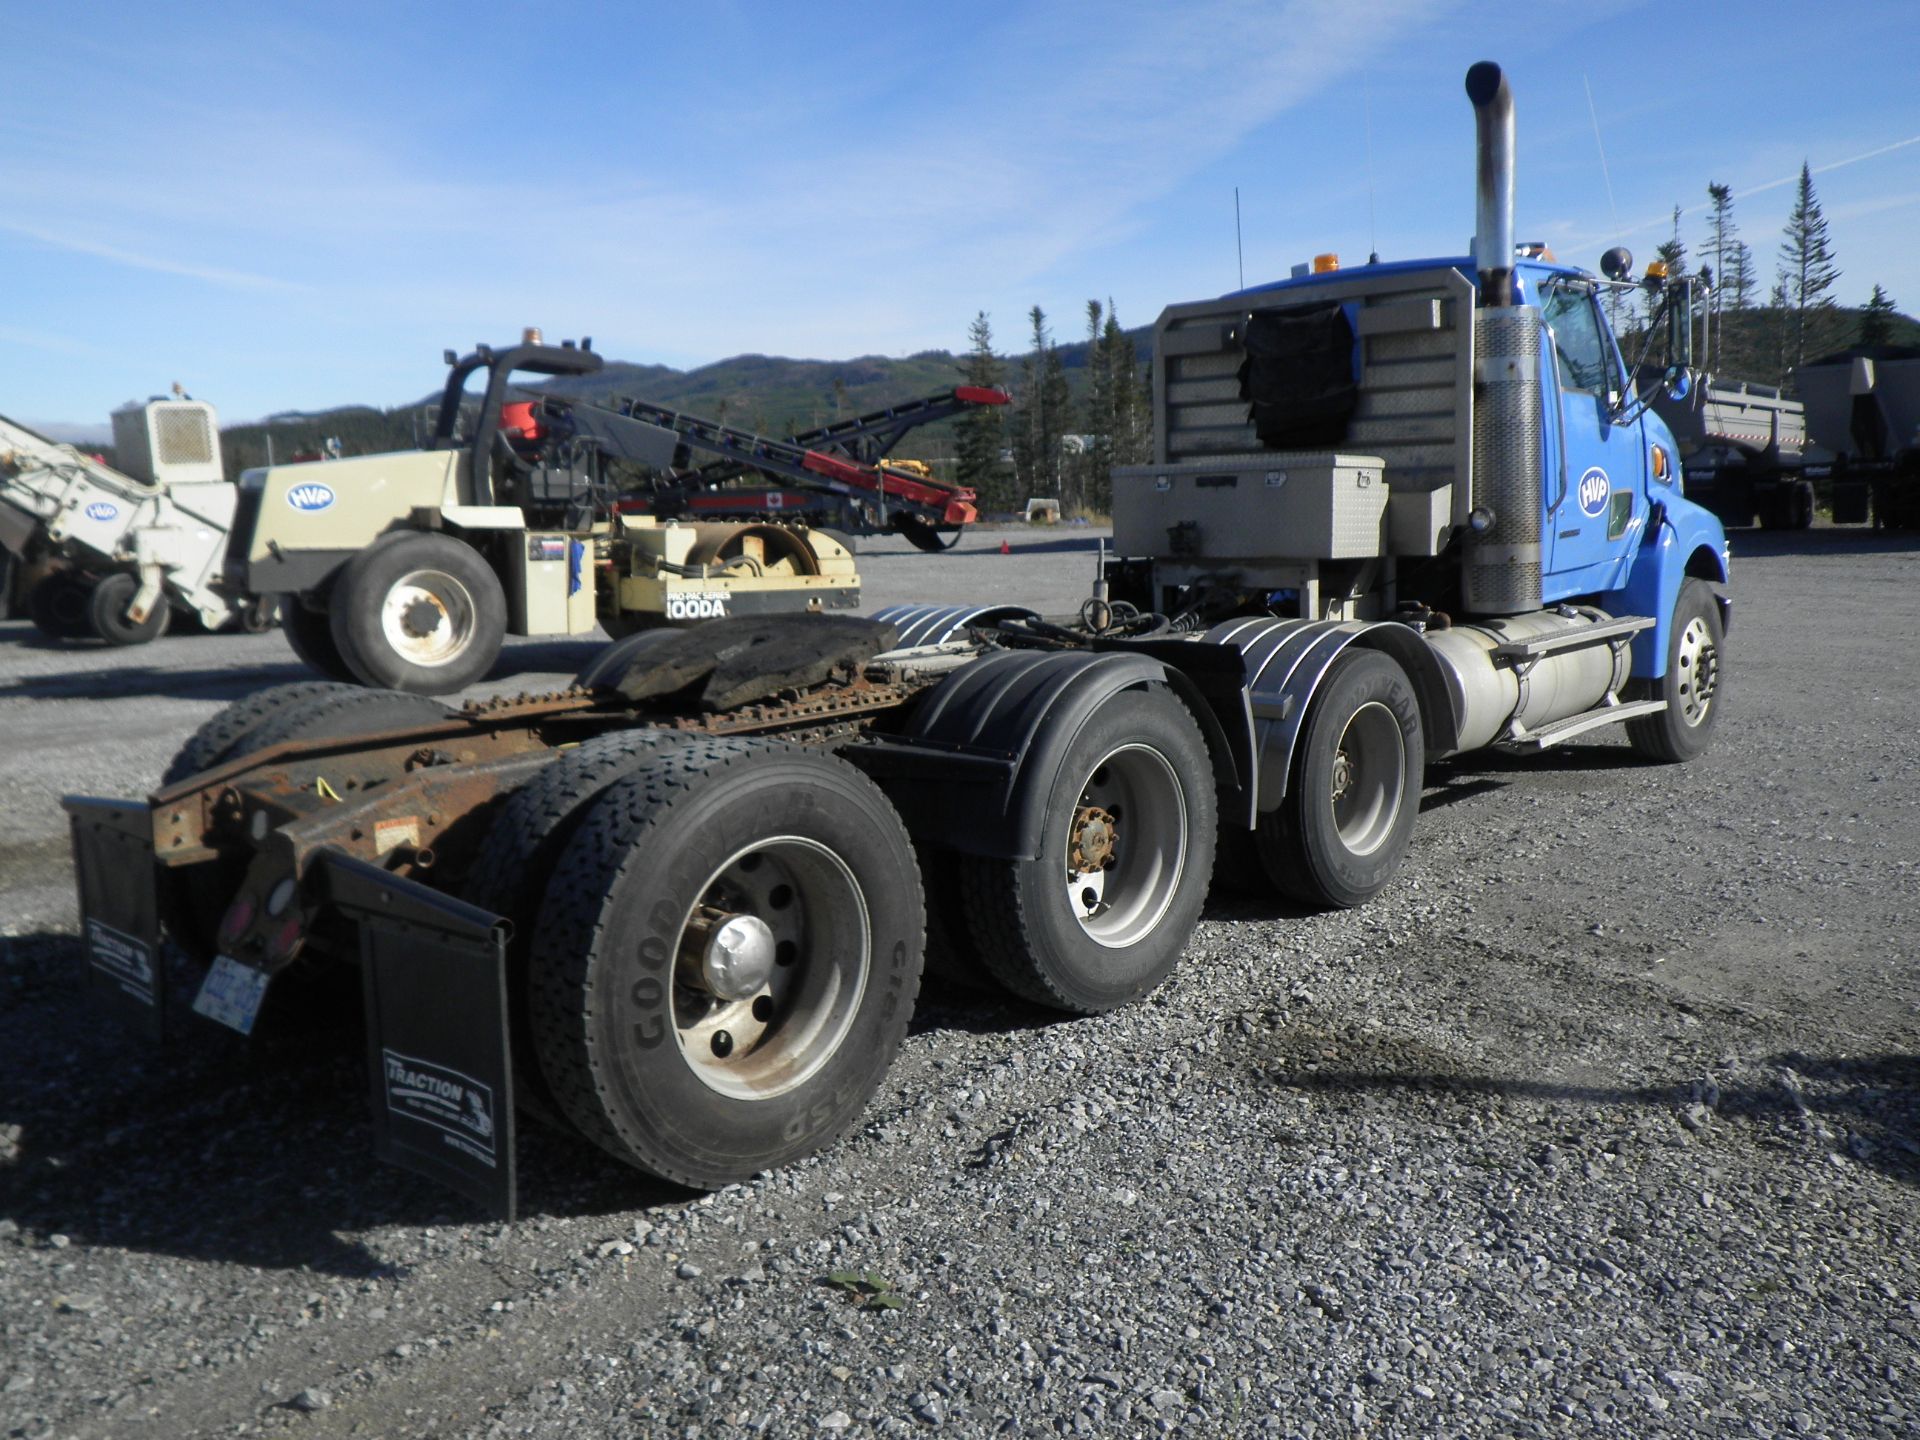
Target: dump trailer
(113, 550)
(1743, 452)
(1395, 513)
(1863, 409)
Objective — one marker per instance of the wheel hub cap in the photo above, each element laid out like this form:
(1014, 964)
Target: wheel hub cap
(1094, 836)
(422, 617)
(739, 957)
(1698, 664)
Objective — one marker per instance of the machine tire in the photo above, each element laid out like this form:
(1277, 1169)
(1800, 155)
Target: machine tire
(59, 607)
(217, 740)
(444, 582)
(1312, 849)
(612, 661)
(1696, 645)
(515, 864)
(633, 1052)
(310, 633)
(1801, 505)
(1140, 752)
(107, 612)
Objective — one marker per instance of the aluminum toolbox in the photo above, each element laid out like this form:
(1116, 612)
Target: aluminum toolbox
(1300, 506)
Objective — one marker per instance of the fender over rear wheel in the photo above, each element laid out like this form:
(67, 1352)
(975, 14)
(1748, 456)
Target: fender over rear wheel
(1126, 852)
(726, 959)
(1353, 793)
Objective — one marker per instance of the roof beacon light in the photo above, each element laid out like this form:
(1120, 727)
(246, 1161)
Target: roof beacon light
(530, 335)
(1323, 264)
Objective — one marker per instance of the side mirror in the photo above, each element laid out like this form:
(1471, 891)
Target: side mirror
(1679, 382)
(1617, 263)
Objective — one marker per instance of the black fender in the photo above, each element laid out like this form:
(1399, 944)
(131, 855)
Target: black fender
(1287, 659)
(957, 771)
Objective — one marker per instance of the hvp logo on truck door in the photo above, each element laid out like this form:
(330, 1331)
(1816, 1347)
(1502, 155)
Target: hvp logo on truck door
(1593, 492)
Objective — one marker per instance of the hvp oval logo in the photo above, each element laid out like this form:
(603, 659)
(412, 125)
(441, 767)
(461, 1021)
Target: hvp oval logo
(1593, 492)
(311, 496)
(101, 510)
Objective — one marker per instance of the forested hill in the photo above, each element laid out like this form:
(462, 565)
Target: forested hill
(767, 393)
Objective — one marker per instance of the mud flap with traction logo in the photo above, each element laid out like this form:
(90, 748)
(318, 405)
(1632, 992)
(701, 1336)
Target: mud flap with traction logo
(119, 908)
(434, 976)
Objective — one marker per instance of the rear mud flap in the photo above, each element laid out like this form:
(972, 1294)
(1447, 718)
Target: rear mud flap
(120, 911)
(434, 975)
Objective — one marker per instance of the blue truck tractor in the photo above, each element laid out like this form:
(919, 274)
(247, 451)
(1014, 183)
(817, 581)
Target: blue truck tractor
(1395, 513)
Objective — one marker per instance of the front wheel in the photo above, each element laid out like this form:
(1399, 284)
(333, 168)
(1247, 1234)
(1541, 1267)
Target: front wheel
(1692, 686)
(726, 959)
(421, 613)
(1126, 852)
(107, 613)
(1346, 821)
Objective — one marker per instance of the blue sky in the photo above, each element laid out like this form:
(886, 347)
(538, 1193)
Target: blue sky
(293, 205)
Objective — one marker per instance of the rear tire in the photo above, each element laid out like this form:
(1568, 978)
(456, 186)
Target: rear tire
(217, 740)
(107, 612)
(1126, 852)
(421, 613)
(1354, 790)
(196, 896)
(700, 1061)
(310, 633)
(515, 864)
(349, 710)
(1696, 649)
(58, 607)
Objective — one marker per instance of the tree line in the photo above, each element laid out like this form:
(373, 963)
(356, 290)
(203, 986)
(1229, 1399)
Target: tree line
(1800, 319)
(1048, 444)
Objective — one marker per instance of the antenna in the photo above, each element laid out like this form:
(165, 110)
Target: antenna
(1237, 248)
(1373, 227)
(1611, 209)
(1613, 295)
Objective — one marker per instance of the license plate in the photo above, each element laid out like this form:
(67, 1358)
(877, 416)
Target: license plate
(231, 994)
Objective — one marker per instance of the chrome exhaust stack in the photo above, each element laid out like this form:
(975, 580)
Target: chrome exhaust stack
(1502, 555)
(1493, 182)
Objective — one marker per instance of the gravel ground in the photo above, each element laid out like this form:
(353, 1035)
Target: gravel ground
(1603, 1118)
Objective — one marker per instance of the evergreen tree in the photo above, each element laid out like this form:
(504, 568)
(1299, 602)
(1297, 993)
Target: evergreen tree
(1132, 402)
(1042, 417)
(1672, 252)
(1779, 326)
(979, 440)
(1807, 275)
(1094, 464)
(1739, 343)
(1876, 321)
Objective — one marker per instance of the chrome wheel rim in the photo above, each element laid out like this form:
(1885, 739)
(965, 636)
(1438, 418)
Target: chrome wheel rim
(770, 968)
(1696, 672)
(1369, 773)
(1126, 846)
(427, 617)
